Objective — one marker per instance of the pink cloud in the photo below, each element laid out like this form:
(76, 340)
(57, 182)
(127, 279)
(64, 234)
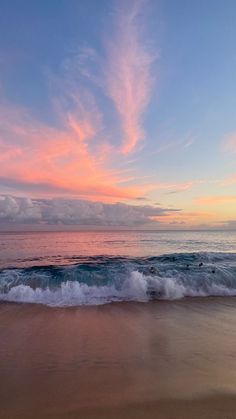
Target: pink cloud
(215, 200)
(74, 157)
(41, 158)
(128, 73)
(231, 180)
(187, 218)
(229, 143)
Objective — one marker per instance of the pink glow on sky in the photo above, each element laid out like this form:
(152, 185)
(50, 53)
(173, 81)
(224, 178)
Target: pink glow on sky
(105, 134)
(62, 159)
(128, 75)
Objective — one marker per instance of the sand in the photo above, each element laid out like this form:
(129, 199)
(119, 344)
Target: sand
(218, 407)
(169, 360)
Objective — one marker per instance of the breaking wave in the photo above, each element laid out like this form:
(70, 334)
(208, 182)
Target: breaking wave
(101, 280)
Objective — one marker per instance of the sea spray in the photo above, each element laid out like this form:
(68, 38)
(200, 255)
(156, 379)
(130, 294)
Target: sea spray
(101, 280)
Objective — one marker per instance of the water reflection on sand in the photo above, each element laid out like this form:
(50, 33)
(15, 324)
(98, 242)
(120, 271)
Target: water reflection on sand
(66, 359)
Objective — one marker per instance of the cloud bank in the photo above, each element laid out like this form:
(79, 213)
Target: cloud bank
(17, 210)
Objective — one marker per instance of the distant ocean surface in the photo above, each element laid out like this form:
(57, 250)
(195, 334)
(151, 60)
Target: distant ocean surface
(98, 267)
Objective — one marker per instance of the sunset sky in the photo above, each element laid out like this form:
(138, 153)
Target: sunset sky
(118, 113)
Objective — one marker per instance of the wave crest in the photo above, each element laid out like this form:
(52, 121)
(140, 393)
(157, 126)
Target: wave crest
(108, 280)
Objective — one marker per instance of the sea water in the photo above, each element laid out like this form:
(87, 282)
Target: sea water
(98, 267)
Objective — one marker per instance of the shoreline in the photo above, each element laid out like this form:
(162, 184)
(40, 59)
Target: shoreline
(212, 299)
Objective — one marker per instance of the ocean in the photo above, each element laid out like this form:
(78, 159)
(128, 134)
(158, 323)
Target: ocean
(98, 267)
(131, 324)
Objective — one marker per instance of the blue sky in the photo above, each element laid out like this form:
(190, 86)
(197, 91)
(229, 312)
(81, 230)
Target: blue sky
(121, 101)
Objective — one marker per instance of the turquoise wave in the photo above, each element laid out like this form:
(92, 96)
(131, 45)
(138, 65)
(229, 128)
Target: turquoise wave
(102, 279)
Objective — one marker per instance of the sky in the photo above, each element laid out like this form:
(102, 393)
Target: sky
(118, 113)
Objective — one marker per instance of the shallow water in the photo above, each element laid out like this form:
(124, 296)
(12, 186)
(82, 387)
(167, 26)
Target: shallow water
(59, 360)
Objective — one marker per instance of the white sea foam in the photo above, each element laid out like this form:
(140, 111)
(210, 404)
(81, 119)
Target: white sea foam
(136, 287)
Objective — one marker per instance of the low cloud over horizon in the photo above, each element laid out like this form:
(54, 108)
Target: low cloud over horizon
(57, 211)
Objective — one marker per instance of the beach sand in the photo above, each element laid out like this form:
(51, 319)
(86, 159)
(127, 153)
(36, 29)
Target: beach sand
(169, 360)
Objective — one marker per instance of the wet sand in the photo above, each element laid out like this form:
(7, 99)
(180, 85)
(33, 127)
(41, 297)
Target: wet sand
(169, 360)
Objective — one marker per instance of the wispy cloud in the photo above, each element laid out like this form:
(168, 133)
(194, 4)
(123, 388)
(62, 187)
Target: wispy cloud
(173, 144)
(179, 187)
(229, 143)
(229, 224)
(129, 72)
(189, 142)
(74, 157)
